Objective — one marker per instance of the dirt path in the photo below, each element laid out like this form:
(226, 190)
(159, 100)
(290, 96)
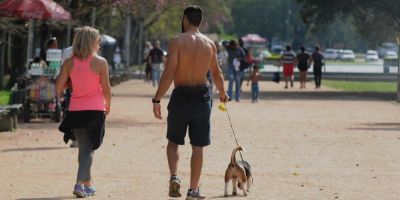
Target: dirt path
(301, 145)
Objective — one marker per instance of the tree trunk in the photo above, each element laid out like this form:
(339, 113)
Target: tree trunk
(134, 41)
(127, 46)
(140, 43)
(398, 70)
(9, 38)
(93, 22)
(3, 57)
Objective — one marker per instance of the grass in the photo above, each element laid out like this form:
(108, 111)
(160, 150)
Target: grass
(357, 86)
(4, 97)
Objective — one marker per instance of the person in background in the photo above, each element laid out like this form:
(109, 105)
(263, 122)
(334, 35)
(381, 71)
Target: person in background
(148, 47)
(302, 65)
(51, 44)
(244, 64)
(318, 59)
(90, 102)
(67, 53)
(235, 56)
(288, 60)
(254, 78)
(221, 55)
(250, 60)
(117, 59)
(156, 60)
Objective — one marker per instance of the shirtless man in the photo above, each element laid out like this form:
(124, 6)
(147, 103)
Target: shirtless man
(190, 56)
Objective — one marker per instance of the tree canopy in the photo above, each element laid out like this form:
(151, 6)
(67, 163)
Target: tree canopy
(374, 20)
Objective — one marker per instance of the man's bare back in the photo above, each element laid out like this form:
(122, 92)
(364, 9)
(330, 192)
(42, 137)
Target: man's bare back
(190, 56)
(195, 55)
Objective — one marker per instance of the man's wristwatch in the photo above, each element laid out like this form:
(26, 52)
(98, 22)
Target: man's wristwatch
(153, 100)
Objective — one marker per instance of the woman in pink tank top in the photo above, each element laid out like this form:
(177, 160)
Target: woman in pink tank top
(90, 102)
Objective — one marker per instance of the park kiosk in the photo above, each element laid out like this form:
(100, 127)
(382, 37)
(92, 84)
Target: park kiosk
(41, 98)
(38, 93)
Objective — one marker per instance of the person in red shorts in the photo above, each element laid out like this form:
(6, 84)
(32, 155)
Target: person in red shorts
(288, 60)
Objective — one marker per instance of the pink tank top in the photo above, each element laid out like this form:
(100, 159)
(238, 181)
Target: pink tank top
(86, 87)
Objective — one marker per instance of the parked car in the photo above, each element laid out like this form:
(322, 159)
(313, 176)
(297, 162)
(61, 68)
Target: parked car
(391, 55)
(309, 50)
(371, 55)
(348, 55)
(339, 53)
(277, 49)
(330, 54)
(385, 47)
(264, 54)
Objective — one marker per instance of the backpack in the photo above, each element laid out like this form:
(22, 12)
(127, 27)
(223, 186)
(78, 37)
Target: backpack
(276, 77)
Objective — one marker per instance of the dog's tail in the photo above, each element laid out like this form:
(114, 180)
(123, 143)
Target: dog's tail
(233, 156)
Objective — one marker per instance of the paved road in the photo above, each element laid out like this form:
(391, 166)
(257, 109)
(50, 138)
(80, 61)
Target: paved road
(334, 67)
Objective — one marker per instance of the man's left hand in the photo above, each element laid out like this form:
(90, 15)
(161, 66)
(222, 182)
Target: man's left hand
(157, 110)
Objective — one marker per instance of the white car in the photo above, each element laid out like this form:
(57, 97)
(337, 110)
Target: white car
(371, 55)
(348, 55)
(391, 55)
(330, 54)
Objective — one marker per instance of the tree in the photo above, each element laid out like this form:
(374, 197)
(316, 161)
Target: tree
(216, 17)
(375, 21)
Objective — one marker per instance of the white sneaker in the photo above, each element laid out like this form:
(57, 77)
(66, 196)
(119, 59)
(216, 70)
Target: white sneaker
(194, 195)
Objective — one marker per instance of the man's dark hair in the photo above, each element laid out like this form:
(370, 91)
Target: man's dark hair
(288, 48)
(241, 43)
(194, 14)
(316, 48)
(232, 44)
(302, 49)
(255, 67)
(51, 42)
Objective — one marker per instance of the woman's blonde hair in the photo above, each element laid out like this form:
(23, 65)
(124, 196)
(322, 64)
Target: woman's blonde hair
(84, 41)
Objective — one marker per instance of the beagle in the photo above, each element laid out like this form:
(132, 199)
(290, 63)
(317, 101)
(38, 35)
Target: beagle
(239, 172)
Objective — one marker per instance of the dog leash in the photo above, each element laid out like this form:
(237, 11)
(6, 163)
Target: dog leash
(233, 130)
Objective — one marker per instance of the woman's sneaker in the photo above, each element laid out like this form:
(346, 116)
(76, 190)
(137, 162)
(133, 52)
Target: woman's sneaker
(194, 194)
(174, 187)
(90, 190)
(79, 191)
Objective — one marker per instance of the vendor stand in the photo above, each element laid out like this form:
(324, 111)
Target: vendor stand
(41, 98)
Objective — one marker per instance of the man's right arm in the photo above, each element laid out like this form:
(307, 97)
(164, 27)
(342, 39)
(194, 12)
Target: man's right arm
(217, 75)
(167, 76)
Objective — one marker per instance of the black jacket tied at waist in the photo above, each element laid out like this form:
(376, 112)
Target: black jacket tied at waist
(91, 120)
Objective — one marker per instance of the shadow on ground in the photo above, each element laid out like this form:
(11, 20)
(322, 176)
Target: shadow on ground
(123, 122)
(326, 95)
(33, 149)
(51, 198)
(304, 95)
(378, 126)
